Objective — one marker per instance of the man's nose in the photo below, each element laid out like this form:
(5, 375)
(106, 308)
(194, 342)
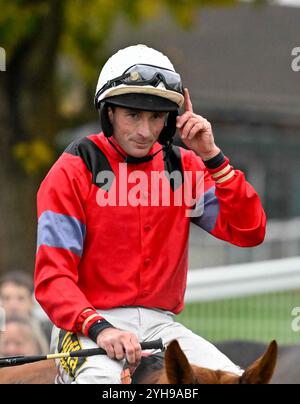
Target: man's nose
(144, 129)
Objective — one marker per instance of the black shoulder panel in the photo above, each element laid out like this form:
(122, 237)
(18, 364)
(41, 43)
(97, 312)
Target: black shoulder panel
(173, 165)
(95, 160)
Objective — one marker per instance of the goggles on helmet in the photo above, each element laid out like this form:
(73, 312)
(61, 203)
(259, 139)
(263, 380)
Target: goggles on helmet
(143, 75)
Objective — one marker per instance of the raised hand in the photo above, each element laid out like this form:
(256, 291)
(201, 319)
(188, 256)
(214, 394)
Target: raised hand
(196, 132)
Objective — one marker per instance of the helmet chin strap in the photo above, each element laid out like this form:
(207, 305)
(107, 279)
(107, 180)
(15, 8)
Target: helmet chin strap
(139, 160)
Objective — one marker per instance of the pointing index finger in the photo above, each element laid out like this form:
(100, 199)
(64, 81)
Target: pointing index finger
(187, 101)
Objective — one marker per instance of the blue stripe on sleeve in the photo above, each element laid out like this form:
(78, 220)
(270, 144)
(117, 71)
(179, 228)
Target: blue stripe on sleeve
(61, 231)
(210, 211)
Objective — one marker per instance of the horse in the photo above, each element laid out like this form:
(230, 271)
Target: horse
(175, 369)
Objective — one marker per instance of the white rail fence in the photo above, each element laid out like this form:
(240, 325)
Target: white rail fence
(282, 241)
(243, 280)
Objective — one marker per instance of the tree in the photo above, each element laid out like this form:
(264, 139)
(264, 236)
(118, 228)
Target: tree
(38, 37)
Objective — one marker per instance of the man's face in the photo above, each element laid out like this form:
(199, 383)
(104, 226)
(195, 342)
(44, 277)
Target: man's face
(16, 300)
(136, 131)
(17, 340)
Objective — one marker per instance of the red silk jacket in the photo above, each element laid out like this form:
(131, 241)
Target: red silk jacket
(131, 254)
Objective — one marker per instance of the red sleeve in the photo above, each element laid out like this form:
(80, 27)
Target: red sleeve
(232, 210)
(61, 231)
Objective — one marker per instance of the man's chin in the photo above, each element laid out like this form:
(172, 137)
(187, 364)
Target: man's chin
(140, 152)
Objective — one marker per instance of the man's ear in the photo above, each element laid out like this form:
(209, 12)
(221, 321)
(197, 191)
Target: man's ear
(110, 113)
(261, 371)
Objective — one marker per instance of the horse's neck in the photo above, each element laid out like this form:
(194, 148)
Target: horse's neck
(43, 372)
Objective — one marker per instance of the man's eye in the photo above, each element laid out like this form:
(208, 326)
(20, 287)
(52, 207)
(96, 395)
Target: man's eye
(158, 116)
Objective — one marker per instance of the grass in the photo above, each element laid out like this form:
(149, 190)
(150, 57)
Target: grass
(257, 318)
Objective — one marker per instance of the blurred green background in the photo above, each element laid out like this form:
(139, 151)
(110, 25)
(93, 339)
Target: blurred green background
(255, 318)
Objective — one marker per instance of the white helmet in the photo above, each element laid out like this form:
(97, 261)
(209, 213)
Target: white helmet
(139, 70)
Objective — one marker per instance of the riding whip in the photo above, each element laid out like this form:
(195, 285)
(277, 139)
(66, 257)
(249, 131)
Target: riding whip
(22, 360)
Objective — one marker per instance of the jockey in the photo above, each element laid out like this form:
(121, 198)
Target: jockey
(113, 225)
